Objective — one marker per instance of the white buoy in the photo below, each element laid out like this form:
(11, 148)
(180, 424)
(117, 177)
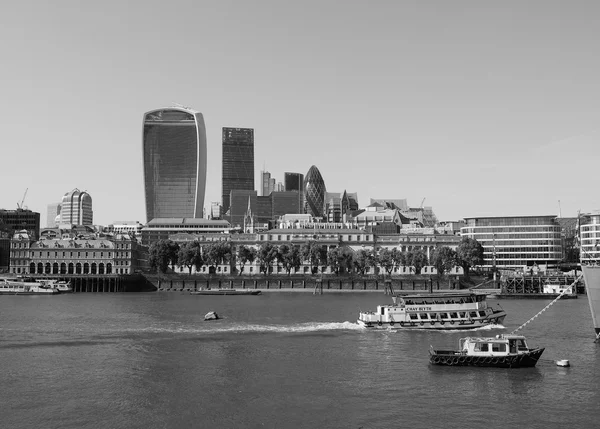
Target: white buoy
(563, 362)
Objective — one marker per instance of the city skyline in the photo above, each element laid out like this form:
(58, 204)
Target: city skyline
(486, 109)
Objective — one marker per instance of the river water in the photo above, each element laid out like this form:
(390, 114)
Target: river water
(277, 360)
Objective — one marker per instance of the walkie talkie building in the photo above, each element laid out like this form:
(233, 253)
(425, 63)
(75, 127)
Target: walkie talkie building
(174, 147)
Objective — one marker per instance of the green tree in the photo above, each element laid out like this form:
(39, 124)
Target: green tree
(245, 254)
(315, 254)
(362, 261)
(265, 255)
(217, 253)
(190, 255)
(469, 253)
(416, 258)
(386, 261)
(163, 253)
(289, 257)
(443, 259)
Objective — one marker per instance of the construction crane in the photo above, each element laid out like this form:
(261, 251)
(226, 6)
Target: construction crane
(422, 201)
(20, 206)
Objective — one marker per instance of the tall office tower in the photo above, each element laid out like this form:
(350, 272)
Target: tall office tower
(295, 182)
(267, 182)
(76, 208)
(174, 146)
(238, 205)
(314, 193)
(53, 215)
(238, 162)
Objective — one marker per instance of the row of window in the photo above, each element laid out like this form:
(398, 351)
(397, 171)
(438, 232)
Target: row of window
(64, 254)
(446, 316)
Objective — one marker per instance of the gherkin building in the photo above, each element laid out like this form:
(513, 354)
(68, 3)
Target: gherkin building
(314, 193)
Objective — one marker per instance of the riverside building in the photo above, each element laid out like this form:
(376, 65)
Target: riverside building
(589, 233)
(174, 149)
(518, 242)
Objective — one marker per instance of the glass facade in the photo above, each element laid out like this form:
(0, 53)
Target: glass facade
(238, 162)
(76, 208)
(295, 182)
(590, 239)
(174, 145)
(517, 242)
(314, 193)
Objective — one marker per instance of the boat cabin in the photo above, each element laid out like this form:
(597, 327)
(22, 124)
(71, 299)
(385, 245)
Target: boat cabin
(500, 345)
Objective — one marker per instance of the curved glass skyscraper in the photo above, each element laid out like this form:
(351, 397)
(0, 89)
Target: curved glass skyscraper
(174, 145)
(314, 193)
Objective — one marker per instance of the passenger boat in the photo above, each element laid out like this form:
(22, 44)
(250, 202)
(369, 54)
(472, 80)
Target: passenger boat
(61, 285)
(225, 292)
(440, 311)
(11, 286)
(501, 351)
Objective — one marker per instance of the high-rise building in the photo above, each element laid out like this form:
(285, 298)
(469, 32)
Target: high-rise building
(314, 193)
(238, 162)
(174, 146)
(267, 182)
(238, 205)
(76, 208)
(20, 219)
(53, 215)
(294, 182)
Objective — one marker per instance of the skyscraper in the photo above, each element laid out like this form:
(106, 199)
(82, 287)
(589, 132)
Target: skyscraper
(174, 145)
(238, 162)
(53, 215)
(314, 193)
(294, 182)
(76, 208)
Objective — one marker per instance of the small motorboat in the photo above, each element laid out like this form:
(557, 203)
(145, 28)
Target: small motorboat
(211, 315)
(501, 351)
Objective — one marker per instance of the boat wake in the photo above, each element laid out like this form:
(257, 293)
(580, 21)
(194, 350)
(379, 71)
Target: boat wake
(216, 328)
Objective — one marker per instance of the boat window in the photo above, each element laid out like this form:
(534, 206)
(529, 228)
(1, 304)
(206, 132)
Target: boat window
(473, 314)
(498, 347)
(424, 316)
(462, 314)
(444, 315)
(482, 313)
(481, 347)
(413, 316)
(433, 316)
(453, 315)
(521, 345)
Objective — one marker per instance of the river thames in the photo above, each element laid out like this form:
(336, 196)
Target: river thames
(277, 360)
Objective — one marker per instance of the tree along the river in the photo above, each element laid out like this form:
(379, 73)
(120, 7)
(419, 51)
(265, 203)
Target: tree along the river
(289, 257)
(443, 259)
(266, 254)
(190, 255)
(217, 253)
(315, 254)
(386, 260)
(362, 260)
(469, 253)
(163, 253)
(245, 255)
(416, 258)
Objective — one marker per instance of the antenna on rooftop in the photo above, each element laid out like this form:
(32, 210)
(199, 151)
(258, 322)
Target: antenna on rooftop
(559, 210)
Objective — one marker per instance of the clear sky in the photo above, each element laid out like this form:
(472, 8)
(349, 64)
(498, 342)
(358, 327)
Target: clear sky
(483, 108)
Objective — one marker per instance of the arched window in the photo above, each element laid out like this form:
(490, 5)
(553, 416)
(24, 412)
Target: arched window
(32, 268)
(71, 268)
(40, 269)
(48, 268)
(93, 268)
(55, 268)
(78, 268)
(86, 268)
(100, 268)
(63, 268)
(109, 268)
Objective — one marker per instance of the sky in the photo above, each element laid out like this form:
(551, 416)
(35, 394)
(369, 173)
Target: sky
(479, 108)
